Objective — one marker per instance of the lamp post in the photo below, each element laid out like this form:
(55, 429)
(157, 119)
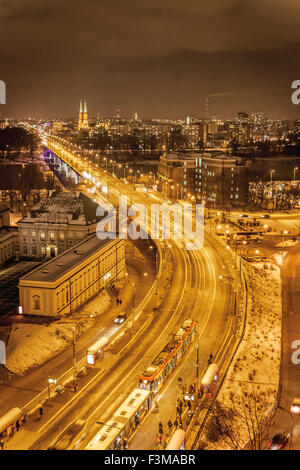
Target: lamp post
(133, 295)
(271, 173)
(228, 281)
(295, 169)
(105, 159)
(74, 354)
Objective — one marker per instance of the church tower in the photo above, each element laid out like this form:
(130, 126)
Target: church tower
(85, 121)
(80, 116)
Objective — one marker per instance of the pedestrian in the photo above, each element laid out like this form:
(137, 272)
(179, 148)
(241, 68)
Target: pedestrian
(156, 407)
(41, 411)
(159, 439)
(75, 387)
(124, 444)
(2, 443)
(17, 425)
(176, 423)
(137, 420)
(164, 445)
(160, 428)
(170, 425)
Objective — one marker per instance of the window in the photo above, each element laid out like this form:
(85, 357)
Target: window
(33, 234)
(36, 302)
(33, 249)
(43, 250)
(25, 249)
(43, 236)
(52, 236)
(61, 236)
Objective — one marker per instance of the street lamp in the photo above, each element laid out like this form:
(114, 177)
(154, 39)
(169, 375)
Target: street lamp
(133, 295)
(271, 173)
(227, 280)
(295, 169)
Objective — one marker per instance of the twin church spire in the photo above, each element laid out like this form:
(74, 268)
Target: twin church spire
(83, 122)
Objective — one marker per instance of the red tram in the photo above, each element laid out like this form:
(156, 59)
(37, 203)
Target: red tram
(157, 372)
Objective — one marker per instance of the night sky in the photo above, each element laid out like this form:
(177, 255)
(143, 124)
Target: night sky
(159, 57)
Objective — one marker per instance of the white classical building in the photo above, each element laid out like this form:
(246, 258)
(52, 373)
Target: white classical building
(57, 223)
(61, 285)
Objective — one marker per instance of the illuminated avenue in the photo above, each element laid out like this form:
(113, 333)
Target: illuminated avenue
(149, 229)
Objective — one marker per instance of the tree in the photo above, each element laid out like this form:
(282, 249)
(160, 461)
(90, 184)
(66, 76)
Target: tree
(15, 139)
(243, 416)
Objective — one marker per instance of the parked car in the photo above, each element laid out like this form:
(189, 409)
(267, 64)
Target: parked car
(279, 441)
(120, 318)
(295, 408)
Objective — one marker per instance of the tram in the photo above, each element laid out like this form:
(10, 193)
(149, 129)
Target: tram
(165, 362)
(124, 422)
(8, 421)
(97, 350)
(210, 376)
(177, 441)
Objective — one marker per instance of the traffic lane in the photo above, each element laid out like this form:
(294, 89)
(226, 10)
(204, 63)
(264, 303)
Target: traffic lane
(291, 331)
(212, 338)
(291, 310)
(19, 390)
(106, 390)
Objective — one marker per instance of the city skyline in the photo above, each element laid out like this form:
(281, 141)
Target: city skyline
(159, 61)
(149, 228)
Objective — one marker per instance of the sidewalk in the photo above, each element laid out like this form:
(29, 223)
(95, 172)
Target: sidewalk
(19, 390)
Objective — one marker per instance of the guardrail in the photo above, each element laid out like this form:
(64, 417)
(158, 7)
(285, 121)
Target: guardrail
(190, 431)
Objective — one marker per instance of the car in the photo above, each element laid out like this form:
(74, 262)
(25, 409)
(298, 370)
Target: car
(279, 441)
(120, 318)
(265, 216)
(295, 408)
(257, 240)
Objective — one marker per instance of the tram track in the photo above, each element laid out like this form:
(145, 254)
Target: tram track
(200, 280)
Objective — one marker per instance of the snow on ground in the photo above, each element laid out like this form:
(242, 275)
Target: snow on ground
(31, 345)
(288, 243)
(256, 367)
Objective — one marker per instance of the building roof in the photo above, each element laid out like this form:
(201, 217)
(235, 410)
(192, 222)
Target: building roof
(64, 207)
(57, 267)
(4, 207)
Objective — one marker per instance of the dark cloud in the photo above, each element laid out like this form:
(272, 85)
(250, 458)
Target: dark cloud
(159, 58)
